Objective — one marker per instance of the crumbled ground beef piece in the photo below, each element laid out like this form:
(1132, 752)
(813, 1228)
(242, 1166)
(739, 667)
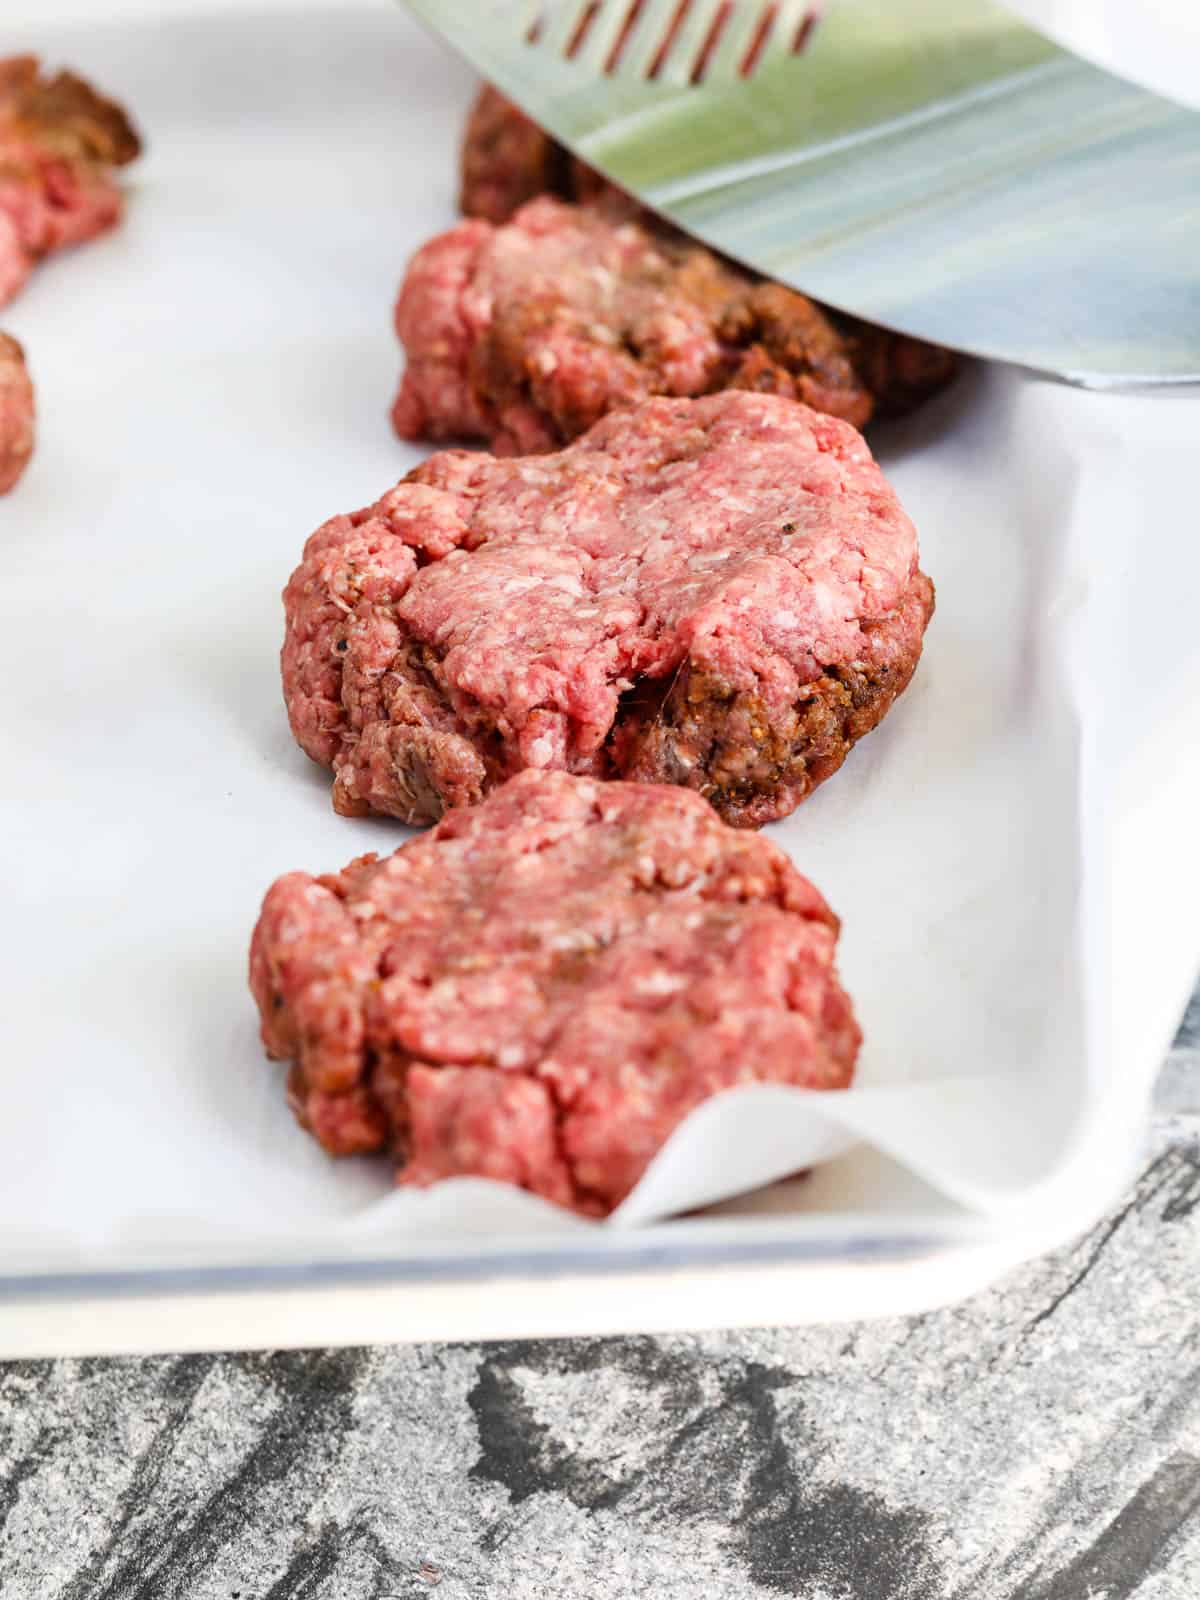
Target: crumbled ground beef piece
(60, 141)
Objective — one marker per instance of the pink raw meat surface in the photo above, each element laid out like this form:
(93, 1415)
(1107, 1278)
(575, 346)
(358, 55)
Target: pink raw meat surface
(59, 143)
(722, 593)
(540, 989)
(526, 334)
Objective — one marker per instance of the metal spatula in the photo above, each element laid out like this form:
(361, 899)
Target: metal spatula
(933, 165)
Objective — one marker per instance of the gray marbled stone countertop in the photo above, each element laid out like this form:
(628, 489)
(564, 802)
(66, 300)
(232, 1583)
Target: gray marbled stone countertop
(1041, 1442)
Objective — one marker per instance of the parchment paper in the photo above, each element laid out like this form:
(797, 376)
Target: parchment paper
(1014, 854)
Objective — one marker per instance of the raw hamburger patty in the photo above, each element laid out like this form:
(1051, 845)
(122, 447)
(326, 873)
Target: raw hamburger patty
(721, 593)
(16, 413)
(543, 987)
(508, 160)
(59, 143)
(526, 335)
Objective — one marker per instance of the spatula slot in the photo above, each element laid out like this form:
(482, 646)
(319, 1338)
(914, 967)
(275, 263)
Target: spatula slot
(804, 33)
(632, 18)
(712, 40)
(667, 44)
(582, 28)
(759, 40)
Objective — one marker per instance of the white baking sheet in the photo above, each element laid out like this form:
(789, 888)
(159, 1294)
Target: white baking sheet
(1014, 854)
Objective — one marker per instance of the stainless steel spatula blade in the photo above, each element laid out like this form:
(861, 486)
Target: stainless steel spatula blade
(933, 165)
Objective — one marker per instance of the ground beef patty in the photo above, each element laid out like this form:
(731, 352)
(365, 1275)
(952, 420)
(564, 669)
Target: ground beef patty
(59, 143)
(526, 335)
(721, 593)
(16, 413)
(508, 160)
(543, 987)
